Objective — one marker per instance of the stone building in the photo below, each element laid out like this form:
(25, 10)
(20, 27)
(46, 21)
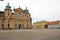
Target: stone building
(19, 19)
(39, 25)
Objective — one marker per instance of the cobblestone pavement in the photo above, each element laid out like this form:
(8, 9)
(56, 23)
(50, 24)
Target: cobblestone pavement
(30, 34)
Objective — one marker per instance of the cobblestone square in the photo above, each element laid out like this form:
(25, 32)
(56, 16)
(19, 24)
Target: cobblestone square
(30, 34)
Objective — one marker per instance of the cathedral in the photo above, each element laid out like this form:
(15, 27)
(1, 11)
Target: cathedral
(19, 19)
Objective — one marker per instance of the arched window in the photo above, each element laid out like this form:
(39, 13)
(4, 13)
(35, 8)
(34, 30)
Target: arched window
(2, 24)
(8, 13)
(8, 25)
(15, 25)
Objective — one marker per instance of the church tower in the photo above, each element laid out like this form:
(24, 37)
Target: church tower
(26, 10)
(8, 14)
(8, 11)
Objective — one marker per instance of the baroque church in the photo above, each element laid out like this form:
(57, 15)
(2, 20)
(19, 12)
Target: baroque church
(19, 19)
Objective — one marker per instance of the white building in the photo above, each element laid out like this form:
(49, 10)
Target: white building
(53, 25)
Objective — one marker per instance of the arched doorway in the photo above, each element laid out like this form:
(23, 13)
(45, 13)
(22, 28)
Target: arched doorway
(19, 26)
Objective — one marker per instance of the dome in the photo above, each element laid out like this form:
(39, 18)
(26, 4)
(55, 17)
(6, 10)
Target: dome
(26, 10)
(8, 7)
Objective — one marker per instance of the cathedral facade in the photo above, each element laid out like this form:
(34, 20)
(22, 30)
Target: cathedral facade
(19, 19)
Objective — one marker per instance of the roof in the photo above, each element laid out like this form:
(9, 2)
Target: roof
(2, 14)
(52, 23)
(18, 9)
(1, 11)
(40, 22)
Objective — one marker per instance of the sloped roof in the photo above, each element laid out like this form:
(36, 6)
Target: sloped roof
(2, 14)
(40, 22)
(52, 23)
(1, 11)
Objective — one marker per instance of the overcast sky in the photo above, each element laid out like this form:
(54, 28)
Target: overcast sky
(39, 9)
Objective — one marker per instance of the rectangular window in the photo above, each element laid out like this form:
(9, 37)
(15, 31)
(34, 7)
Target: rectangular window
(22, 26)
(15, 25)
(2, 26)
(19, 15)
(8, 25)
(8, 13)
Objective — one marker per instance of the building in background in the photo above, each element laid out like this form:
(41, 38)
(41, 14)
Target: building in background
(53, 25)
(19, 19)
(46, 25)
(39, 25)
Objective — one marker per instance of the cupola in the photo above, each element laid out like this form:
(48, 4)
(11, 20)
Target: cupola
(8, 7)
(26, 10)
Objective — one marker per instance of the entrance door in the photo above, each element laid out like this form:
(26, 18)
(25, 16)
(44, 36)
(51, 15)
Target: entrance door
(19, 26)
(46, 26)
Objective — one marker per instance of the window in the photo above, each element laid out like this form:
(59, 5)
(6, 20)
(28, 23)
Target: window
(8, 12)
(27, 25)
(2, 26)
(8, 21)
(8, 25)
(25, 14)
(19, 15)
(15, 25)
(12, 13)
(22, 26)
